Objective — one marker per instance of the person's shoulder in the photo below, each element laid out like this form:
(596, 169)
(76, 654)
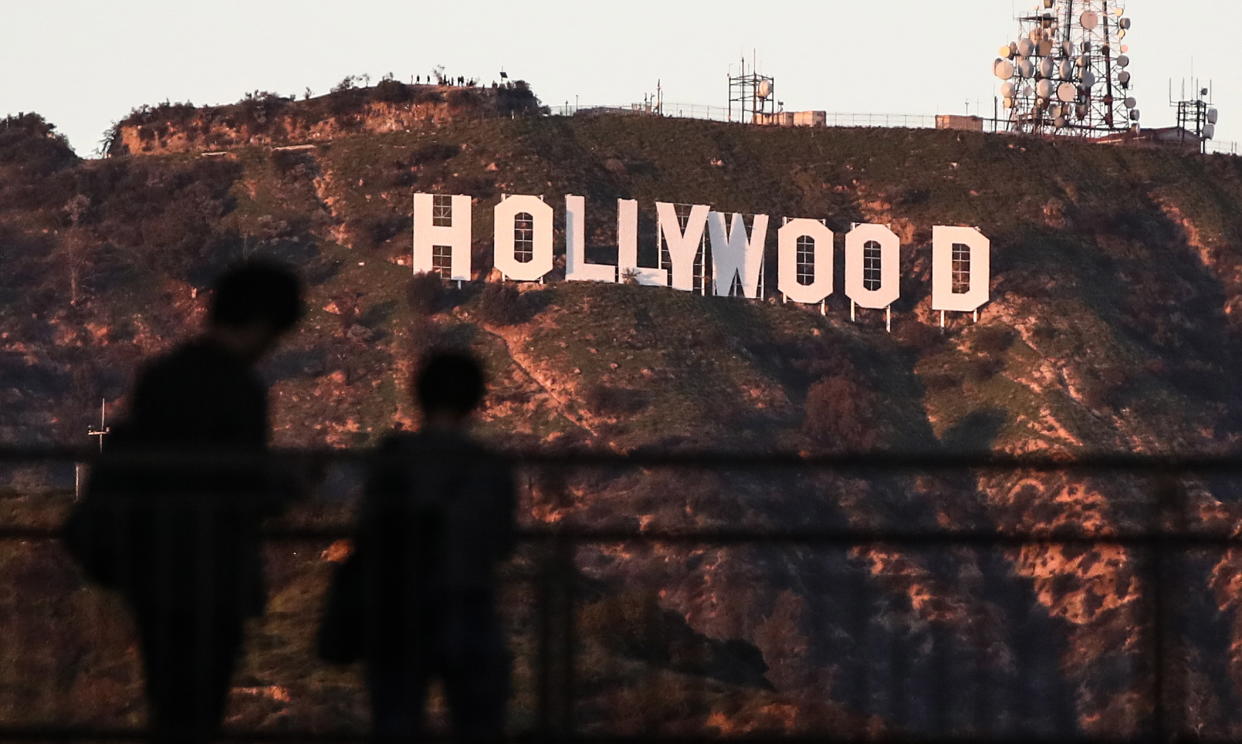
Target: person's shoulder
(169, 366)
(195, 355)
(196, 369)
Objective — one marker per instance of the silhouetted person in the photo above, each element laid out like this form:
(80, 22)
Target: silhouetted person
(190, 563)
(436, 521)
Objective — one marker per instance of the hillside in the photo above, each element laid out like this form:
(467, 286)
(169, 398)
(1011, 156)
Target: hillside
(1114, 326)
(268, 119)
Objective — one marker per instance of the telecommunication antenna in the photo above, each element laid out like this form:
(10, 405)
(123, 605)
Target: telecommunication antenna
(1197, 114)
(1066, 74)
(752, 95)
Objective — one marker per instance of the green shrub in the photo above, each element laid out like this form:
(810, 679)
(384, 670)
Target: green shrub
(392, 91)
(292, 162)
(424, 293)
(501, 304)
(838, 415)
(982, 370)
(994, 339)
(612, 401)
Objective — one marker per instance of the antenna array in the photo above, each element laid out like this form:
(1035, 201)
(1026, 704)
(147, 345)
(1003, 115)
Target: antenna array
(752, 95)
(1066, 74)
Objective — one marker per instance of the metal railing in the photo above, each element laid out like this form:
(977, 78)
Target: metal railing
(722, 114)
(629, 628)
(833, 118)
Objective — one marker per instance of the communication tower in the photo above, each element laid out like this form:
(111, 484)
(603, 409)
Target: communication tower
(1197, 116)
(752, 96)
(1066, 72)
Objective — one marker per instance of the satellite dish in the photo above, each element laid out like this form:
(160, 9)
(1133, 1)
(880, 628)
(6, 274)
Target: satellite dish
(1009, 103)
(1123, 77)
(1213, 116)
(1067, 93)
(1025, 48)
(1081, 111)
(1045, 47)
(1006, 52)
(1044, 89)
(1026, 68)
(1047, 67)
(1067, 48)
(1083, 61)
(1088, 79)
(1086, 47)
(1122, 34)
(765, 89)
(1125, 23)
(1209, 131)
(1123, 61)
(1067, 69)
(1061, 122)
(1007, 90)
(1134, 115)
(1131, 103)
(1125, 48)
(1028, 91)
(1003, 69)
(1090, 20)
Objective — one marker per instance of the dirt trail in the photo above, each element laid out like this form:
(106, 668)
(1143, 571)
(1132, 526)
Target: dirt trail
(523, 362)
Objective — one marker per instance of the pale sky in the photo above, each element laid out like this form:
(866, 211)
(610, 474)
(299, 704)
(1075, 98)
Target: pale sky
(83, 63)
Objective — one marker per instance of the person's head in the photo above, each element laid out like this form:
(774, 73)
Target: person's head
(449, 386)
(253, 304)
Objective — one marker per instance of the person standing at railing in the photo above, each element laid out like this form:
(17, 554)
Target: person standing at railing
(417, 599)
(176, 530)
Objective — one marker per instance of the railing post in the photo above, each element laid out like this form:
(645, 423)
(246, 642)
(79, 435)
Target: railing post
(557, 642)
(1156, 546)
(564, 567)
(544, 645)
(1168, 530)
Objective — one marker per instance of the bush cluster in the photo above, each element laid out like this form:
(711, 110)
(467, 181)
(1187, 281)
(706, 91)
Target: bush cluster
(612, 401)
(838, 415)
(424, 293)
(31, 142)
(994, 339)
(500, 304)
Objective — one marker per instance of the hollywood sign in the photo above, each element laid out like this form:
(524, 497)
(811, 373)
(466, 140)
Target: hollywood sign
(961, 256)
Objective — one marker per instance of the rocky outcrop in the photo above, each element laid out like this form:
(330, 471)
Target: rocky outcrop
(270, 120)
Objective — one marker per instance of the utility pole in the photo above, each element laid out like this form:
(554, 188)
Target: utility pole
(103, 430)
(79, 469)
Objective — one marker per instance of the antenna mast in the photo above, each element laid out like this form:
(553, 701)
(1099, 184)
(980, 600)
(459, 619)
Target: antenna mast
(752, 95)
(1197, 116)
(1066, 73)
